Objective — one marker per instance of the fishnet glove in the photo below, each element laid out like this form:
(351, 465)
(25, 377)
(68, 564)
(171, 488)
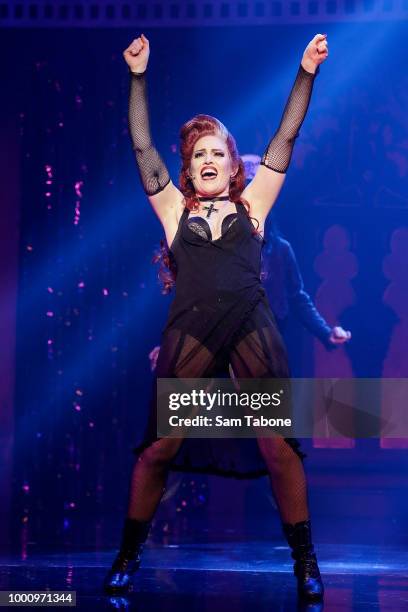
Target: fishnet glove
(153, 172)
(279, 150)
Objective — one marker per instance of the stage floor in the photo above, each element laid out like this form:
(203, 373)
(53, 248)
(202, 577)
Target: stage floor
(221, 577)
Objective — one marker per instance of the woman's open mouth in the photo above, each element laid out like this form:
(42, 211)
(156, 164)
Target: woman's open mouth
(209, 174)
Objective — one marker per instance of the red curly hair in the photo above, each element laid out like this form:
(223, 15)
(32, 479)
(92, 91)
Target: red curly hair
(190, 132)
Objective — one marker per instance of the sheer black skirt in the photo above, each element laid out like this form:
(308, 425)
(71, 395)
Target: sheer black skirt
(254, 350)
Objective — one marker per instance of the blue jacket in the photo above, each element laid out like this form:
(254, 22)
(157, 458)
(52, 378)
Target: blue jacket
(284, 287)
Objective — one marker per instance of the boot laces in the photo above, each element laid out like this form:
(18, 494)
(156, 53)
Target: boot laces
(307, 566)
(123, 561)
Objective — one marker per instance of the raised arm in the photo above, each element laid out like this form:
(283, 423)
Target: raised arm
(152, 169)
(263, 190)
(165, 198)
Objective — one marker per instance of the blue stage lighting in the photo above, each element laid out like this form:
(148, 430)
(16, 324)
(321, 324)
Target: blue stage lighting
(276, 9)
(126, 12)
(225, 10)
(295, 8)
(259, 9)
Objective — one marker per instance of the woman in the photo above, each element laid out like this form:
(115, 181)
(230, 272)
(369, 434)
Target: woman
(214, 227)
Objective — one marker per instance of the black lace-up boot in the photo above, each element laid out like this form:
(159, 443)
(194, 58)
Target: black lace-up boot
(127, 562)
(306, 570)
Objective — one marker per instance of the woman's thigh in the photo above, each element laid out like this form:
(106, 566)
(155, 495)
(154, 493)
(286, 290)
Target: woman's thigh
(183, 356)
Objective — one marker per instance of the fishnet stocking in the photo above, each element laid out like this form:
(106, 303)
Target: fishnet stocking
(279, 151)
(181, 356)
(153, 172)
(149, 478)
(287, 478)
(260, 354)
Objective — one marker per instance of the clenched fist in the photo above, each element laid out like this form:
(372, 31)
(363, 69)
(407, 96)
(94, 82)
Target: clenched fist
(339, 335)
(137, 54)
(315, 53)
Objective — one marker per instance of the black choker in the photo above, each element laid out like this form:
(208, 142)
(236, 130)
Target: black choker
(217, 199)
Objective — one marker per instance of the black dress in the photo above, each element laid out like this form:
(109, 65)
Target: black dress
(220, 315)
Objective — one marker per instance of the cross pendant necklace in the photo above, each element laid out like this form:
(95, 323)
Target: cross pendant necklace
(211, 208)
